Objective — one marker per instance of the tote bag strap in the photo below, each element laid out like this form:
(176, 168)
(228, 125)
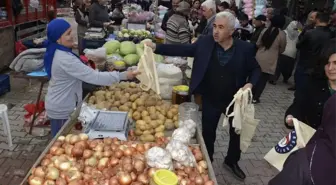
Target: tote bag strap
(239, 93)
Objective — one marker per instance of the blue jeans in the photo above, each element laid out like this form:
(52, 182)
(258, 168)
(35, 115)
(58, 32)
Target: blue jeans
(56, 125)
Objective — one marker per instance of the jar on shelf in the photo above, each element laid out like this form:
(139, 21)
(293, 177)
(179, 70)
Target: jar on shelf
(189, 110)
(180, 94)
(164, 177)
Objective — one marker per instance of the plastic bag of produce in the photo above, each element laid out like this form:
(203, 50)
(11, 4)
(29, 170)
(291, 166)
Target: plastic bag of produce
(159, 158)
(169, 71)
(181, 153)
(178, 61)
(190, 125)
(182, 134)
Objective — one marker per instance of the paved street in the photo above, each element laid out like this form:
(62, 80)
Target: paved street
(14, 164)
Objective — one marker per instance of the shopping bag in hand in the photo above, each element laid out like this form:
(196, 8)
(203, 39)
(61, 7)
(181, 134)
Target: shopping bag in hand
(243, 117)
(298, 138)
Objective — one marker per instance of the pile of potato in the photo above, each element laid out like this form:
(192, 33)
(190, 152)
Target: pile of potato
(152, 115)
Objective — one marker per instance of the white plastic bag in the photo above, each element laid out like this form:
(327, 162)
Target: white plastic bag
(34, 4)
(169, 71)
(157, 157)
(182, 134)
(298, 138)
(190, 125)
(181, 153)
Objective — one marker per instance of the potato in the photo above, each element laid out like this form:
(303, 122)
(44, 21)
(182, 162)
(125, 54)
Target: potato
(169, 125)
(133, 85)
(152, 131)
(112, 87)
(107, 105)
(159, 134)
(127, 95)
(130, 113)
(153, 116)
(159, 122)
(114, 109)
(147, 132)
(169, 121)
(163, 112)
(141, 108)
(136, 115)
(143, 127)
(144, 113)
(138, 132)
(170, 115)
(147, 119)
(175, 118)
(111, 100)
(134, 106)
(140, 101)
(117, 95)
(175, 106)
(161, 117)
(128, 104)
(161, 128)
(140, 122)
(116, 104)
(174, 111)
(151, 101)
(100, 98)
(99, 93)
(154, 124)
(124, 108)
(133, 97)
(108, 95)
(100, 105)
(91, 101)
(147, 138)
(92, 98)
(151, 110)
(176, 123)
(123, 100)
(158, 108)
(133, 91)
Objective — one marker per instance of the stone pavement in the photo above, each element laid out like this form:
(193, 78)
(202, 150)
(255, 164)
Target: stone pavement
(15, 164)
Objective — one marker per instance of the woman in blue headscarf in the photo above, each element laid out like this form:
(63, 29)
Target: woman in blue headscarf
(67, 72)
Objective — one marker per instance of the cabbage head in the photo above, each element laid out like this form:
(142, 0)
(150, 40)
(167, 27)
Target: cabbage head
(111, 46)
(158, 58)
(127, 47)
(139, 50)
(131, 59)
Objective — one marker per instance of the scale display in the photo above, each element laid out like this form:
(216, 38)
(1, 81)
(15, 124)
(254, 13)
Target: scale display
(110, 121)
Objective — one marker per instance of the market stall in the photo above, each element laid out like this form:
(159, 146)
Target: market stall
(154, 133)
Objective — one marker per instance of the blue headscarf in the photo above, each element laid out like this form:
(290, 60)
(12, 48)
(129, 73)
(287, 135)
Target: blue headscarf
(56, 28)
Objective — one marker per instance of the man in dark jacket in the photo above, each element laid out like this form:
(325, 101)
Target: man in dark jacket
(169, 14)
(219, 71)
(310, 46)
(259, 25)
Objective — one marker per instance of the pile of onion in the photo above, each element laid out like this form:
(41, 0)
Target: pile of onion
(76, 160)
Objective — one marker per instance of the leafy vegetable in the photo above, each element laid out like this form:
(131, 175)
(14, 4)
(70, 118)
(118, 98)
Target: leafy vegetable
(131, 59)
(111, 46)
(127, 47)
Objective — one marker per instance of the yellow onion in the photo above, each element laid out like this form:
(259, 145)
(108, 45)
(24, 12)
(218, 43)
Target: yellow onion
(87, 153)
(151, 172)
(209, 183)
(143, 178)
(61, 138)
(74, 139)
(124, 178)
(103, 163)
(199, 180)
(139, 166)
(36, 181)
(39, 172)
(203, 164)
(49, 182)
(91, 162)
(113, 161)
(107, 141)
(61, 181)
(52, 173)
(83, 137)
(67, 138)
(72, 175)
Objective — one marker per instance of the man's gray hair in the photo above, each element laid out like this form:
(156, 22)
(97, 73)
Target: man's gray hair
(210, 4)
(229, 16)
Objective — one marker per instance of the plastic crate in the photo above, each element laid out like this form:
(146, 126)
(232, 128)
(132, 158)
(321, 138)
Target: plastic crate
(4, 84)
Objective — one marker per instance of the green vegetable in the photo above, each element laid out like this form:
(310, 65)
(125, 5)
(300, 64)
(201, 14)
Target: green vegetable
(158, 58)
(131, 59)
(127, 47)
(142, 42)
(139, 50)
(111, 46)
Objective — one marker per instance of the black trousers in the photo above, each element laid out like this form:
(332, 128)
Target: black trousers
(260, 86)
(210, 118)
(285, 68)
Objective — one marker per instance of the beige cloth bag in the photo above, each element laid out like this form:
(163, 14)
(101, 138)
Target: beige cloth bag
(147, 67)
(243, 115)
(298, 138)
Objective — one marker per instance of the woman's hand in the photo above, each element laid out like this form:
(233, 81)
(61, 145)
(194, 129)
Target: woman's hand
(132, 74)
(289, 120)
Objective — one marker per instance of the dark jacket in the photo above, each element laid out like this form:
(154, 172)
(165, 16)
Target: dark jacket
(208, 30)
(166, 16)
(246, 66)
(256, 34)
(308, 103)
(311, 45)
(98, 15)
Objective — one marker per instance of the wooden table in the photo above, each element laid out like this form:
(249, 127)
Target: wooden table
(42, 80)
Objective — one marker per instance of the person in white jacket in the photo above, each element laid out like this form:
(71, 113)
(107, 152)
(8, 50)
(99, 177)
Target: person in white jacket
(286, 60)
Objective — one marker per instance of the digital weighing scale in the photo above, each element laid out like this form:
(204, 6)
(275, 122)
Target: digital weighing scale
(109, 124)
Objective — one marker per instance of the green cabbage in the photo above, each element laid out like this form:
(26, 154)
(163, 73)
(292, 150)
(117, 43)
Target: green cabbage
(127, 47)
(111, 46)
(131, 59)
(139, 50)
(158, 58)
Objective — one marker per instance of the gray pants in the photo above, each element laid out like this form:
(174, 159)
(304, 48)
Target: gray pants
(295, 171)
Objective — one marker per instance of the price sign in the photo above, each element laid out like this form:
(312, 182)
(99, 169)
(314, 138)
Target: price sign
(136, 26)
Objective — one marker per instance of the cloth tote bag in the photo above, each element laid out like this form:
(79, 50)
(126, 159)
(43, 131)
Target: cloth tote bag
(298, 138)
(243, 115)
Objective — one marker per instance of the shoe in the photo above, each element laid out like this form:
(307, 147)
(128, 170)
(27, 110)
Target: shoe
(272, 82)
(235, 169)
(292, 88)
(255, 101)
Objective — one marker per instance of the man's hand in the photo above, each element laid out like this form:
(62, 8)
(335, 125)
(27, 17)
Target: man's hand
(106, 24)
(132, 74)
(289, 120)
(150, 44)
(247, 86)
